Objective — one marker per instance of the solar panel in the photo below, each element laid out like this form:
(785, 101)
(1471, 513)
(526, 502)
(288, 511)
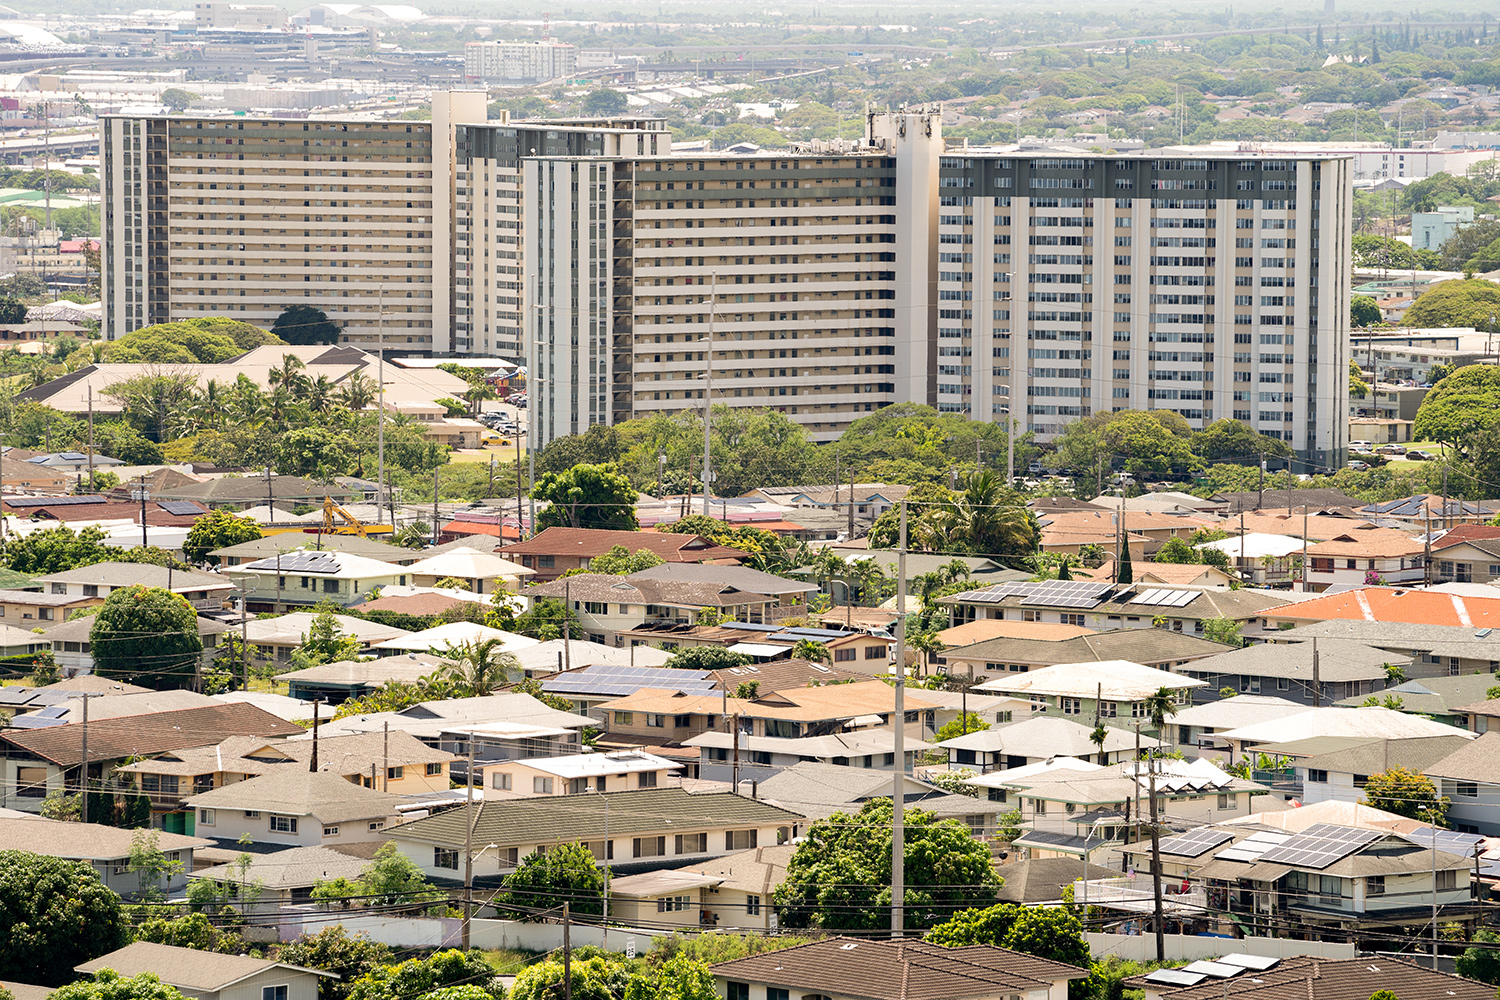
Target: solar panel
(1195, 842)
(1175, 977)
(1446, 840)
(298, 562)
(1320, 845)
(1216, 970)
(181, 507)
(1257, 962)
(1063, 593)
(1164, 597)
(68, 501)
(1253, 846)
(619, 680)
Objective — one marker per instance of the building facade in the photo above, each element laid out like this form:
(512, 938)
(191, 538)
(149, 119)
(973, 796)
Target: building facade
(519, 62)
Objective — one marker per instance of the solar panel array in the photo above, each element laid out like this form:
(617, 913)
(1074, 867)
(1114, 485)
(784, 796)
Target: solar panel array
(1165, 598)
(181, 507)
(298, 562)
(1446, 840)
(620, 680)
(1174, 977)
(69, 501)
(1195, 842)
(1320, 845)
(1253, 846)
(1220, 968)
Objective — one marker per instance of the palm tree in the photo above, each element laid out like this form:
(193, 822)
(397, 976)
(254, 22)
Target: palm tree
(926, 642)
(289, 374)
(412, 535)
(320, 395)
(476, 393)
(807, 649)
(359, 391)
(828, 566)
(480, 666)
(211, 405)
(1158, 708)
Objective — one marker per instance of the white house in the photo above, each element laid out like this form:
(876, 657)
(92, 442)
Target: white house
(296, 807)
(304, 579)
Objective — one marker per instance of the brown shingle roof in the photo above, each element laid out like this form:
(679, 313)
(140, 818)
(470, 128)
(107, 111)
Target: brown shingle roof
(1308, 978)
(142, 735)
(898, 970)
(419, 605)
(590, 542)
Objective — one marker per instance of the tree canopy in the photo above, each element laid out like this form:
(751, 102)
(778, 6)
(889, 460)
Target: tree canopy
(54, 915)
(417, 977)
(587, 496)
(1465, 302)
(1406, 793)
(146, 636)
(1463, 403)
(302, 324)
(1053, 933)
(216, 530)
(839, 876)
(333, 949)
(566, 873)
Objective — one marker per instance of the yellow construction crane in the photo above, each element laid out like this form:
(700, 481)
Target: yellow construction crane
(352, 525)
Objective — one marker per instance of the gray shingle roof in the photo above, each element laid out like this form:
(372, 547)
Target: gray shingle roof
(1041, 880)
(1381, 755)
(297, 868)
(752, 581)
(1139, 645)
(1337, 661)
(80, 841)
(578, 817)
(188, 968)
(1474, 761)
(297, 792)
(120, 574)
(1046, 736)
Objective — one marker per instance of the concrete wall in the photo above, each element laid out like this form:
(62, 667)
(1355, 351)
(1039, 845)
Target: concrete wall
(1142, 947)
(444, 932)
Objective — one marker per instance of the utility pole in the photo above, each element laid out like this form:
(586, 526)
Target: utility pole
(1447, 522)
(1317, 683)
(469, 844)
(734, 743)
(566, 627)
(1161, 946)
(435, 503)
(385, 762)
(380, 401)
(567, 952)
(1427, 546)
(83, 767)
(898, 793)
(245, 636)
(91, 439)
(313, 762)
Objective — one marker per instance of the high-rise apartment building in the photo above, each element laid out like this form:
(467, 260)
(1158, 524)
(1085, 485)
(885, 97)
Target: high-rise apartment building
(826, 281)
(519, 62)
(244, 217)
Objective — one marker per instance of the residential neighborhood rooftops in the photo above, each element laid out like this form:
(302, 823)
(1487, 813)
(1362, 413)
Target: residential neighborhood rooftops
(119, 574)
(1135, 645)
(1246, 709)
(605, 588)
(466, 563)
(294, 791)
(983, 629)
(1338, 660)
(590, 542)
(1373, 722)
(441, 637)
(296, 868)
(1398, 604)
(588, 765)
(1047, 736)
(288, 541)
(326, 564)
(293, 629)
(81, 841)
(1416, 754)
(186, 968)
(140, 735)
(1113, 680)
(1472, 761)
(751, 581)
(1305, 977)
(898, 970)
(404, 669)
(812, 704)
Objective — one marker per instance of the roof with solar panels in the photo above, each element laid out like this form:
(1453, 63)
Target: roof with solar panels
(1121, 599)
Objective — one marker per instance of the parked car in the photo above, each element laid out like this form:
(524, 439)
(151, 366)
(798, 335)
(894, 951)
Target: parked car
(1035, 468)
(1362, 446)
(1357, 465)
(1418, 455)
(1391, 449)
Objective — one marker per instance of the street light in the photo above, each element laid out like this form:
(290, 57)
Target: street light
(142, 494)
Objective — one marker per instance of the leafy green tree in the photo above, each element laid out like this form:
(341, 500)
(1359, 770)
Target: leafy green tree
(146, 636)
(173, 343)
(1363, 312)
(1358, 387)
(119, 439)
(12, 311)
(176, 100)
(301, 324)
(1225, 630)
(54, 550)
(599, 445)
(567, 872)
(326, 641)
(217, 529)
(604, 102)
(1406, 793)
(706, 658)
(150, 864)
(1481, 960)
(480, 666)
(811, 650)
(679, 978)
(390, 879)
(620, 561)
(839, 876)
(967, 722)
(54, 915)
(110, 985)
(333, 949)
(156, 403)
(547, 618)
(587, 496)
(1235, 441)
(1466, 302)
(418, 977)
(192, 930)
(317, 452)
(595, 977)
(1459, 406)
(1053, 933)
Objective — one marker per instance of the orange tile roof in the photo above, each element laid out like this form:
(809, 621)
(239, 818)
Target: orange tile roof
(1395, 604)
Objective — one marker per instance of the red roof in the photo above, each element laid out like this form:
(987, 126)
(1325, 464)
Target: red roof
(76, 246)
(1465, 532)
(591, 542)
(459, 526)
(1395, 604)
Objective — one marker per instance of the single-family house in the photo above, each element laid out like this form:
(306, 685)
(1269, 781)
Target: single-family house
(1313, 977)
(302, 579)
(553, 551)
(105, 849)
(728, 893)
(610, 607)
(758, 757)
(72, 647)
(452, 634)
(1369, 722)
(204, 591)
(1441, 699)
(1158, 648)
(31, 608)
(652, 825)
(1367, 554)
(296, 807)
(290, 541)
(1345, 669)
(1454, 647)
(481, 572)
(1195, 726)
(272, 640)
(1341, 774)
(617, 770)
(344, 679)
(1390, 605)
(1103, 604)
(1038, 738)
(282, 878)
(204, 975)
(1468, 778)
(1117, 691)
(818, 790)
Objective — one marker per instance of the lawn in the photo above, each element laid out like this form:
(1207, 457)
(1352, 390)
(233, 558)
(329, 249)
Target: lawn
(509, 961)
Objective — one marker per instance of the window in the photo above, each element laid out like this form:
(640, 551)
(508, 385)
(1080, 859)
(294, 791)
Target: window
(252, 814)
(875, 652)
(846, 655)
(1224, 800)
(273, 992)
(672, 904)
(656, 721)
(752, 906)
(541, 786)
(394, 773)
(1375, 885)
(379, 824)
(650, 847)
(624, 718)
(500, 781)
(1468, 789)
(443, 857)
(738, 991)
(1360, 780)
(206, 818)
(1039, 807)
(739, 840)
(1072, 706)
(434, 769)
(1317, 775)
(691, 843)
(330, 831)
(1447, 879)
(283, 824)
(647, 779)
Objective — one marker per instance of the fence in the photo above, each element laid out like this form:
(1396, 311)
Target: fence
(447, 932)
(1142, 947)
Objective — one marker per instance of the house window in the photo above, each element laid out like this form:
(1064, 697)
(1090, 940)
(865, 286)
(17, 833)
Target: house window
(434, 769)
(379, 824)
(273, 992)
(777, 993)
(1250, 685)
(738, 991)
(1039, 807)
(875, 652)
(1375, 885)
(546, 562)
(1468, 789)
(500, 781)
(647, 779)
(394, 773)
(1108, 709)
(752, 906)
(1360, 780)
(691, 843)
(283, 824)
(443, 857)
(330, 586)
(739, 840)
(656, 721)
(330, 831)
(1283, 683)
(252, 814)
(206, 817)
(997, 795)
(1447, 879)
(541, 786)
(1317, 775)
(1224, 801)
(90, 590)
(624, 718)
(682, 721)
(1072, 706)
(673, 904)
(649, 847)
(602, 850)
(846, 655)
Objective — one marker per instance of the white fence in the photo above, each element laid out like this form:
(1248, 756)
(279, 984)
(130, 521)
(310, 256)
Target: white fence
(447, 932)
(1142, 947)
